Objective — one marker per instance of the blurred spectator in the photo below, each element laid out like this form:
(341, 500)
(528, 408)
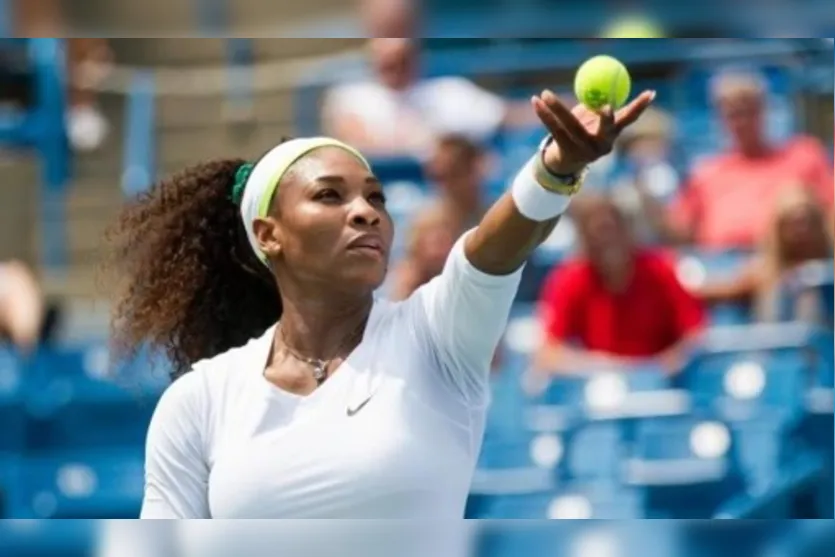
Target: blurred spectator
(456, 169)
(21, 306)
(728, 198)
(390, 18)
(87, 63)
(645, 175)
(621, 303)
(431, 238)
(799, 233)
(397, 113)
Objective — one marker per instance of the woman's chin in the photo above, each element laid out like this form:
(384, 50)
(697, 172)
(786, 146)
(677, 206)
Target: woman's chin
(363, 278)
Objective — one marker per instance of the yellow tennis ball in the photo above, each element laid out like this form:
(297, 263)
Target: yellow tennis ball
(600, 81)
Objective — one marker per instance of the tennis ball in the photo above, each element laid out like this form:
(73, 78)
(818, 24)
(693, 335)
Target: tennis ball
(600, 81)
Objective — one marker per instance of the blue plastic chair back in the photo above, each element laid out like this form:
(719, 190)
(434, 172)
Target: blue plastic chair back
(73, 403)
(89, 484)
(751, 382)
(595, 451)
(761, 446)
(11, 404)
(45, 538)
(604, 501)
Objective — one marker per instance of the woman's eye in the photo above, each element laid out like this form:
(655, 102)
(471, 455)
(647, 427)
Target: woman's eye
(326, 195)
(378, 197)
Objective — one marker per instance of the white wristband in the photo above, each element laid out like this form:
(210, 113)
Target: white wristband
(534, 201)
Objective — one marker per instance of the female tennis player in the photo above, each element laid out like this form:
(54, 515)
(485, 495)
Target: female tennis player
(299, 394)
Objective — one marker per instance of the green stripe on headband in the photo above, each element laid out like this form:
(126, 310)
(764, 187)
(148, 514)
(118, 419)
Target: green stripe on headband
(275, 180)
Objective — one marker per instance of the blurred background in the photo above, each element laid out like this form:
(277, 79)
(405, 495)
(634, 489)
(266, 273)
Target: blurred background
(658, 538)
(670, 354)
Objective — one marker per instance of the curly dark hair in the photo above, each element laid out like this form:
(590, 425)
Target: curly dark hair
(187, 282)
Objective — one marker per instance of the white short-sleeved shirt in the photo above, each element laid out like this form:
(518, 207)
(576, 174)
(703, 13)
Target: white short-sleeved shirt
(394, 433)
(417, 115)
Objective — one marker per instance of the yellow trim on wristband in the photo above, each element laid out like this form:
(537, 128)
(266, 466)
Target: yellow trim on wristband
(547, 180)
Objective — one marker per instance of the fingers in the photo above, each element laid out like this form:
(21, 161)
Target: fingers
(555, 127)
(568, 120)
(608, 131)
(627, 115)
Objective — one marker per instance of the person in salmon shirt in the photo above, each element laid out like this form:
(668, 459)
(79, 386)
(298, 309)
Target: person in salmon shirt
(726, 203)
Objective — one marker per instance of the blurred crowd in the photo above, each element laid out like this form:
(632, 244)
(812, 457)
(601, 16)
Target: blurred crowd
(87, 62)
(621, 297)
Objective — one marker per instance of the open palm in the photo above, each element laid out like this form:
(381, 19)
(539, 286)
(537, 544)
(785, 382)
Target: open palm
(581, 135)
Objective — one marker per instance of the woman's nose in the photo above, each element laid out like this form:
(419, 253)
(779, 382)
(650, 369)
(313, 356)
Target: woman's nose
(363, 213)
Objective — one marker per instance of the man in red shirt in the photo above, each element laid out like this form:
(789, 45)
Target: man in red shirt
(616, 304)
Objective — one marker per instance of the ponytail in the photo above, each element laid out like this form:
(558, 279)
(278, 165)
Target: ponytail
(187, 282)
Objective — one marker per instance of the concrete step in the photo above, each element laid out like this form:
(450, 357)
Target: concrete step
(211, 52)
(170, 52)
(268, 107)
(180, 147)
(18, 206)
(80, 281)
(135, 19)
(161, 18)
(254, 14)
(279, 49)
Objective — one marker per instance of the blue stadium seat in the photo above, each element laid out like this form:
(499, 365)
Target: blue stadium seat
(685, 466)
(574, 538)
(73, 401)
(595, 451)
(763, 447)
(576, 501)
(81, 484)
(11, 433)
(43, 538)
(742, 384)
(11, 403)
(597, 386)
(816, 277)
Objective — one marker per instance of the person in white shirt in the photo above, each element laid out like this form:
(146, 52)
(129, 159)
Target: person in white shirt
(398, 113)
(299, 394)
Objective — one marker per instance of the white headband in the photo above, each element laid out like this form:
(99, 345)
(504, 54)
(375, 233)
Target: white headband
(267, 174)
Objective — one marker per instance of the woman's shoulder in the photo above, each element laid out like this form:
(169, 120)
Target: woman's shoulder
(221, 374)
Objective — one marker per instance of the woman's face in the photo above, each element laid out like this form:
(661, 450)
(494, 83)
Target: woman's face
(328, 223)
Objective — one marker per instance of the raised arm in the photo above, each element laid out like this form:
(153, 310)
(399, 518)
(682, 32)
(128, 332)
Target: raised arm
(522, 218)
(461, 315)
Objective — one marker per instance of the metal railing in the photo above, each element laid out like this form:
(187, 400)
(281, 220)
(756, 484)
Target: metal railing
(140, 132)
(41, 127)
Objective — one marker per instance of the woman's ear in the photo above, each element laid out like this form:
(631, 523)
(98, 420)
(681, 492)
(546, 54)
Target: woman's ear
(268, 235)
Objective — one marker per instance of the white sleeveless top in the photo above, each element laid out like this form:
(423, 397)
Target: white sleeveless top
(394, 433)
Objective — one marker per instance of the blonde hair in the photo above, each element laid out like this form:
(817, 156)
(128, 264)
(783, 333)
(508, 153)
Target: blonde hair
(773, 254)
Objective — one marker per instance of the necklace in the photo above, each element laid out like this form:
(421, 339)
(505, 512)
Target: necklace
(320, 366)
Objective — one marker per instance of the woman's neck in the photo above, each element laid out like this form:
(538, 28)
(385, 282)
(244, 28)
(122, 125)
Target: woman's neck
(319, 327)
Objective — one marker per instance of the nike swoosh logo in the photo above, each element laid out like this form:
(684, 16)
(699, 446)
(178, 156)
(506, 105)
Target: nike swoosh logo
(352, 411)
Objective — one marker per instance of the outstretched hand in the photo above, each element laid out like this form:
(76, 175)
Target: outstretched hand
(581, 135)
